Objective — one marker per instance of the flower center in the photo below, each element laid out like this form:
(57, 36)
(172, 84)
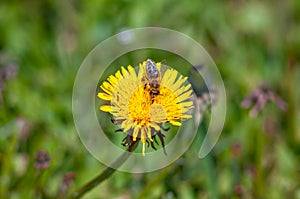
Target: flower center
(145, 108)
(139, 106)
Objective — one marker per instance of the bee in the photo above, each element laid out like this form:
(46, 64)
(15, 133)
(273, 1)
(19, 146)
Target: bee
(153, 78)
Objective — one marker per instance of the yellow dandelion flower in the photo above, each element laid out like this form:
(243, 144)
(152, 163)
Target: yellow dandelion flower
(142, 101)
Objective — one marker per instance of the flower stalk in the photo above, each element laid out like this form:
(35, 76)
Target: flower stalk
(104, 174)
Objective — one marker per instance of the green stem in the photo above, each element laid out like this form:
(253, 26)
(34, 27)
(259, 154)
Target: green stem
(291, 114)
(259, 186)
(257, 149)
(6, 167)
(104, 174)
(38, 183)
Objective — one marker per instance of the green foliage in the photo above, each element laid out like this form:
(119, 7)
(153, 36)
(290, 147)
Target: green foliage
(252, 43)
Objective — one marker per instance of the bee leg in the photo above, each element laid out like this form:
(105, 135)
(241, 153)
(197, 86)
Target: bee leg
(147, 143)
(162, 137)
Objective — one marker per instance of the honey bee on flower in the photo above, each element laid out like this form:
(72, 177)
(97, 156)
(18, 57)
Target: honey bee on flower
(141, 102)
(151, 79)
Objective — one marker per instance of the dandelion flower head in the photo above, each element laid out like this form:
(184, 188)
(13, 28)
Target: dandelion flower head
(142, 101)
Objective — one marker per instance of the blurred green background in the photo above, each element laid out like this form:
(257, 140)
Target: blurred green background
(42, 44)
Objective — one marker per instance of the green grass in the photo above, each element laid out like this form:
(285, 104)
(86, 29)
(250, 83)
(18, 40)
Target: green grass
(251, 42)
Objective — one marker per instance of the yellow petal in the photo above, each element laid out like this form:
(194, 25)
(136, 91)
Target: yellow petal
(184, 117)
(155, 126)
(148, 132)
(124, 71)
(104, 96)
(113, 80)
(106, 108)
(135, 133)
(177, 85)
(126, 125)
(118, 75)
(158, 64)
(185, 96)
(107, 86)
(186, 104)
(106, 90)
(175, 123)
(130, 68)
(143, 150)
(168, 78)
(187, 87)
